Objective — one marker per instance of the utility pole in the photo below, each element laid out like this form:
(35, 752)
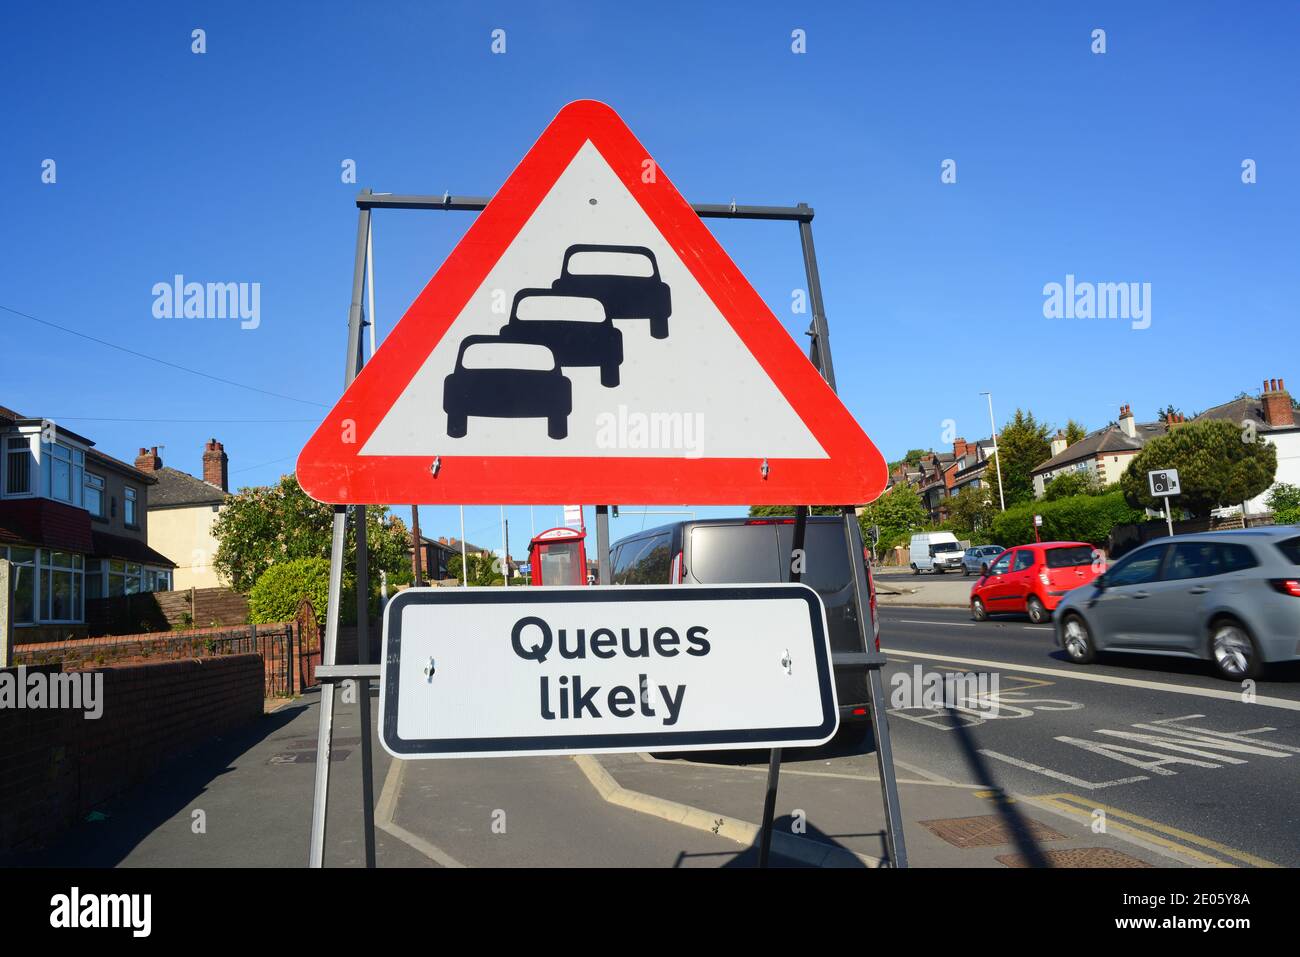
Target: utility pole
(997, 459)
(416, 544)
(505, 547)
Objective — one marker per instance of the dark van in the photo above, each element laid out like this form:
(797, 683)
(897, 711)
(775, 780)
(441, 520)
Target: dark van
(724, 551)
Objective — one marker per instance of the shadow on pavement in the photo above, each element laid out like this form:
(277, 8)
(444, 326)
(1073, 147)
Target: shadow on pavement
(137, 813)
(1015, 822)
(748, 858)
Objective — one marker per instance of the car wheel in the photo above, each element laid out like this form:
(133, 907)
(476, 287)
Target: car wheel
(457, 426)
(1038, 612)
(1233, 650)
(984, 568)
(965, 572)
(557, 427)
(978, 611)
(1077, 640)
(936, 569)
(915, 570)
(609, 376)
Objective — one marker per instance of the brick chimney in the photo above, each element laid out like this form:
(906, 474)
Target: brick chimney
(1059, 443)
(148, 460)
(1127, 424)
(1277, 404)
(216, 465)
(960, 447)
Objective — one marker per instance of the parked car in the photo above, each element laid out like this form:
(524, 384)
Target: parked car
(746, 550)
(637, 293)
(576, 328)
(1033, 579)
(506, 380)
(1231, 598)
(978, 558)
(936, 552)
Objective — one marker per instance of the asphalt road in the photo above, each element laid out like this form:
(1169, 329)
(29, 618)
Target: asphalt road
(1140, 739)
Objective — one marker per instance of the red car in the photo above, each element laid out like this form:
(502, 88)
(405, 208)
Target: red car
(1034, 578)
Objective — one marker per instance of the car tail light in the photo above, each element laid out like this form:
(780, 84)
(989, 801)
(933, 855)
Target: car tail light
(859, 712)
(871, 604)
(675, 571)
(1287, 586)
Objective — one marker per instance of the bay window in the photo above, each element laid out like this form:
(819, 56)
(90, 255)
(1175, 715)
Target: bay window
(61, 581)
(123, 578)
(24, 572)
(63, 472)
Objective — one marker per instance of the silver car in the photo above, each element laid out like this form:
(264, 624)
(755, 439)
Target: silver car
(978, 558)
(1232, 598)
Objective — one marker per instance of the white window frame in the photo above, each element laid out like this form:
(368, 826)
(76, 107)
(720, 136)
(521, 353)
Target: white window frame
(30, 567)
(12, 444)
(77, 570)
(130, 508)
(102, 488)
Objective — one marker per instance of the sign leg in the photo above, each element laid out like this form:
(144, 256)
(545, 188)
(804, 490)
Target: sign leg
(602, 545)
(774, 759)
(895, 845)
(363, 686)
(325, 733)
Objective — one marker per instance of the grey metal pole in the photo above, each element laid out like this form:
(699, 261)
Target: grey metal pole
(997, 459)
(363, 684)
(774, 759)
(325, 732)
(819, 351)
(602, 545)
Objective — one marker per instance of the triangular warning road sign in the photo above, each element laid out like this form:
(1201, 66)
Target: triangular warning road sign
(589, 340)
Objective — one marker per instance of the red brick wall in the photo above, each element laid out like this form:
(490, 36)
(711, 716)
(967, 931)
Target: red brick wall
(58, 765)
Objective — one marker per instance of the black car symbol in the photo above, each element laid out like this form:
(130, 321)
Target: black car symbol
(506, 380)
(625, 295)
(576, 328)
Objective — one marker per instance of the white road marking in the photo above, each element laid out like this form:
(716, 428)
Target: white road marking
(384, 818)
(1266, 701)
(1060, 776)
(958, 624)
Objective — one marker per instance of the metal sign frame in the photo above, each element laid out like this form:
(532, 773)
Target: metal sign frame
(330, 672)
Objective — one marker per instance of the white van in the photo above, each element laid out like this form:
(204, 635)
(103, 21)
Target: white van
(936, 552)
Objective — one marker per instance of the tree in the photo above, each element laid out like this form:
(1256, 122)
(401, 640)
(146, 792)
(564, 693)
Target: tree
(1216, 467)
(1074, 431)
(1079, 518)
(912, 458)
(787, 511)
(276, 594)
(278, 523)
(1080, 482)
(1284, 501)
(971, 511)
(897, 513)
(483, 570)
(1022, 445)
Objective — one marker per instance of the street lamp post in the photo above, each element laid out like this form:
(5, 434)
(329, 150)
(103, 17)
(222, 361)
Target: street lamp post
(997, 459)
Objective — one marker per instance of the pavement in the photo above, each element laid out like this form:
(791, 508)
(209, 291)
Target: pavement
(900, 586)
(1127, 763)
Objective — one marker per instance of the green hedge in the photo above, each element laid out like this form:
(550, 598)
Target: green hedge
(276, 594)
(1077, 518)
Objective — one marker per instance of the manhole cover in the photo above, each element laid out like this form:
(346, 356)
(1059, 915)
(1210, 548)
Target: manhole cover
(988, 830)
(1076, 857)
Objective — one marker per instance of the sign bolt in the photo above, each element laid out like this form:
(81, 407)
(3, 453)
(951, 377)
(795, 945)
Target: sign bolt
(437, 464)
(787, 663)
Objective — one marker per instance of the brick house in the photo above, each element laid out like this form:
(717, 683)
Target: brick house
(1108, 452)
(436, 553)
(182, 510)
(74, 522)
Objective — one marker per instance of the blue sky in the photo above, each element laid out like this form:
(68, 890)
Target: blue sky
(225, 166)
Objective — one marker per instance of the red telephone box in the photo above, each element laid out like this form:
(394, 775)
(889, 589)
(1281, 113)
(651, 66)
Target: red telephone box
(558, 556)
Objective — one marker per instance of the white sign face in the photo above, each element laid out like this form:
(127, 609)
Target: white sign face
(1164, 482)
(617, 371)
(1038, 520)
(484, 672)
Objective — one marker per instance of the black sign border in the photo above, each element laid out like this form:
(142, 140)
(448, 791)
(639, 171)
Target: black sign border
(586, 743)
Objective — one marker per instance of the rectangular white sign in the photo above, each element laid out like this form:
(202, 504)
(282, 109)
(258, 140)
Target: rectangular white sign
(1164, 482)
(482, 672)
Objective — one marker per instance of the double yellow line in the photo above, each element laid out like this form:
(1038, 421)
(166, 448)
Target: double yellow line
(1202, 849)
